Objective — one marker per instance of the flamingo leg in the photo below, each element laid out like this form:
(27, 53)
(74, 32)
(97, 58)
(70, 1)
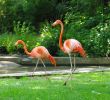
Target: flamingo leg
(35, 67)
(44, 68)
(74, 64)
(71, 69)
(71, 63)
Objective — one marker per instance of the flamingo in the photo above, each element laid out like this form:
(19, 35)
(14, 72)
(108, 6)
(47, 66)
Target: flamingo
(39, 52)
(70, 46)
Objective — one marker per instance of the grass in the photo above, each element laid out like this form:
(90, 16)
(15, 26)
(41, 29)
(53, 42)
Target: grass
(84, 86)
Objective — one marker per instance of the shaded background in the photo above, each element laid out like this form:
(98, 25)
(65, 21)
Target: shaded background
(85, 20)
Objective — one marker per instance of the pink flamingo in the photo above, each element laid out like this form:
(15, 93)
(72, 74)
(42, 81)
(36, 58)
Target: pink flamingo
(39, 52)
(69, 46)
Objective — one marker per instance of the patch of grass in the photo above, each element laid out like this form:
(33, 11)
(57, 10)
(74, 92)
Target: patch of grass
(84, 86)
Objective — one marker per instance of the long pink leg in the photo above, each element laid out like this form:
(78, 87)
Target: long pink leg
(74, 64)
(71, 69)
(44, 68)
(35, 67)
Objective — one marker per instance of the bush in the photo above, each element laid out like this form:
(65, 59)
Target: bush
(24, 32)
(7, 42)
(34, 11)
(49, 38)
(92, 32)
(20, 19)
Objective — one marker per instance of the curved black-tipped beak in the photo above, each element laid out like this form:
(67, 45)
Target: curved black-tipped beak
(16, 44)
(54, 24)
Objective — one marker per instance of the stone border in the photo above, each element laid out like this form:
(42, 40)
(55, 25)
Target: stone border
(55, 72)
(24, 60)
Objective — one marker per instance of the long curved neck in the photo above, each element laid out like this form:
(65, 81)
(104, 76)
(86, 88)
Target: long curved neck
(25, 48)
(60, 38)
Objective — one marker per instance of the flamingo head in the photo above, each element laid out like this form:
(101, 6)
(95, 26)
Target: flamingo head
(56, 22)
(18, 42)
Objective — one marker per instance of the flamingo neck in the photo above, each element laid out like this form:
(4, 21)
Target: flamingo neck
(61, 35)
(25, 49)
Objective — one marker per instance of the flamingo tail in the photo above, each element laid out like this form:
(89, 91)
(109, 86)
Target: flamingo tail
(52, 60)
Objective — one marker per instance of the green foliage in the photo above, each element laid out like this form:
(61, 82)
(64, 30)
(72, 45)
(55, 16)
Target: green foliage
(84, 20)
(24, 32)
(90, 27)
(49, 38)
(33, 11)
(95, 39)
(23, 28)
(7, 42)
(101, 39)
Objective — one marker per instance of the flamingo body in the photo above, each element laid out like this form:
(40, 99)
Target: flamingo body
(40, 52)
(73, 46)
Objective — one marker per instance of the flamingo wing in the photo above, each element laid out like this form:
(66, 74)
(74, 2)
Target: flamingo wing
(73, 46)
(40, 52)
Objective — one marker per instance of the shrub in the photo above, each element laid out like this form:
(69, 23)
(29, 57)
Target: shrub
(22, 31)
(93, 36)
(34, 11)
(49, 38)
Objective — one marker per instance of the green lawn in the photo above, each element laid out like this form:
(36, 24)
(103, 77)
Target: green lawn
(85, 86)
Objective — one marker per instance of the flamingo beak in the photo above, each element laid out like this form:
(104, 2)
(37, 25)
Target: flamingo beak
(54, 24)
(16, 44)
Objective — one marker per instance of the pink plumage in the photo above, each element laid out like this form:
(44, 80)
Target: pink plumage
(39, 52)
(73, 46)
